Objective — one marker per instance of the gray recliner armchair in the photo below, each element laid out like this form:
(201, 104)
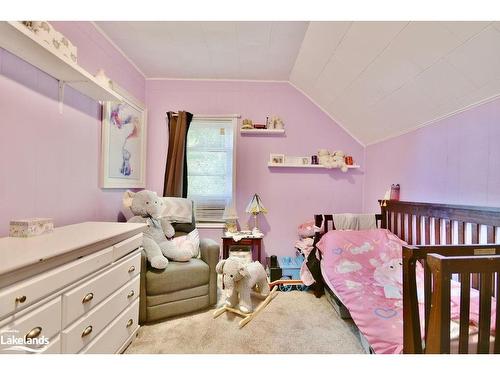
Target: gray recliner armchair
(182, 287)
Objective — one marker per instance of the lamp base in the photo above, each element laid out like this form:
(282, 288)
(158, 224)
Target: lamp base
(257, 233)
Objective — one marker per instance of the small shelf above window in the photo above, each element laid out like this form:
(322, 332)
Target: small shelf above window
(278, 165)
(263, 131)
(22, 42)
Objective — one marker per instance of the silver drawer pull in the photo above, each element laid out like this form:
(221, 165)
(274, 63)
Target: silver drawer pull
(34, 333)
(130, 322)
(21, 299)
(87, 331)
(88, 297)
(131, 294)
(131, 269)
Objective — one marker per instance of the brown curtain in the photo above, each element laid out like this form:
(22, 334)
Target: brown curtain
(176, 170)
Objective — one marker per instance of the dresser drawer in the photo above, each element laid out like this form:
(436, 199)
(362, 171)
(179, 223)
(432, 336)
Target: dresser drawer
(44, 321)
(17, 296)
(83, 331)
(54, 347)
(123, 248)
(114, 336)
(85, 297)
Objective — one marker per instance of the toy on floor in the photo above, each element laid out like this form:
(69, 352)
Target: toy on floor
(239, 279)
(247, 317)
(285, 273)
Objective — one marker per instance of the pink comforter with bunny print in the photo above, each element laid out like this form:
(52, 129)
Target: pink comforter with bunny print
(365, 268)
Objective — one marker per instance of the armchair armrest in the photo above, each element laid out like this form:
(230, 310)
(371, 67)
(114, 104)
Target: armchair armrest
(142, 293)
(210, 250)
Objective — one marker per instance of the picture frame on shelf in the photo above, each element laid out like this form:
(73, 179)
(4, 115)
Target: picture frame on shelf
(277, 158)
(123, 145)
(305, 161)
(293, 160)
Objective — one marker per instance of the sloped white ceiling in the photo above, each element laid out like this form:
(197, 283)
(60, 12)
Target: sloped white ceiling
(381, 79)
(376, 79)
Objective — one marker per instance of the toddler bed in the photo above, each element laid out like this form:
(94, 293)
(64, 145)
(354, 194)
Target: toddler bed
(399, 295)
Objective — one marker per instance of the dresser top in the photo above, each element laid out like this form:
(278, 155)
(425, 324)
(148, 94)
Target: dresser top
(16, 252)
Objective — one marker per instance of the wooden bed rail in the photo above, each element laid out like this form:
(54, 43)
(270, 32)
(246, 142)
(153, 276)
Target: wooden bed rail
(425, 223)
(442, 268)
(440, 263)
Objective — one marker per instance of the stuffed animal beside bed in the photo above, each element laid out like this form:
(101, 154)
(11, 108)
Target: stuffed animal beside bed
(157, 241)
(239, 279)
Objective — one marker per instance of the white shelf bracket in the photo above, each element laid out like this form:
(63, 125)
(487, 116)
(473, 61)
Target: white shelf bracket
(61, 96)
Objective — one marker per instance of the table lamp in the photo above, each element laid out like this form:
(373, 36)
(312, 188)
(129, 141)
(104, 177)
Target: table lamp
(230, 216)
(256, 207)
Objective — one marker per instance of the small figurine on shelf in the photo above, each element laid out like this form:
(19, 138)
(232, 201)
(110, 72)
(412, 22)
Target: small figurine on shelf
(246, 124)
(274, 122)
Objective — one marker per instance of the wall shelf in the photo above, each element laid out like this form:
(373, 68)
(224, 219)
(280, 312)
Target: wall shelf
(276, 165)
(263, 131)
(22, 42)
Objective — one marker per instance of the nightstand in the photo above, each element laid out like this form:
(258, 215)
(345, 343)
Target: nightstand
(255, 243)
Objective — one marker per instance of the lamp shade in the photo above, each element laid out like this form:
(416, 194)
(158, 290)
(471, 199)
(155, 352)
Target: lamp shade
(255, 206)
(230, 212)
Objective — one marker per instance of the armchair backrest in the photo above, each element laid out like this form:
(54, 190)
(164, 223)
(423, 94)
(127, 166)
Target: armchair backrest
(181, 229)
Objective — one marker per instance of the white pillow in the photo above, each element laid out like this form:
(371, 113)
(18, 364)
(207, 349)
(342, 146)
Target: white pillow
(194, 238)
(178, 210)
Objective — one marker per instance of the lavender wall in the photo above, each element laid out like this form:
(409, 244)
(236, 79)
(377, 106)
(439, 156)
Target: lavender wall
(49, 162)
(291, 195)
(456, 160)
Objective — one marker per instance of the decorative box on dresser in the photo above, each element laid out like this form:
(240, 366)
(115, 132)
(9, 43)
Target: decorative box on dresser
(77, 287)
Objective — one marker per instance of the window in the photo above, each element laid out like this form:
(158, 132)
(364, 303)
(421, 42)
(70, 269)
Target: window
(211, 160)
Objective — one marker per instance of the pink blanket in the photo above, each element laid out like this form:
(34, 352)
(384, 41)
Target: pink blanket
(365, 268)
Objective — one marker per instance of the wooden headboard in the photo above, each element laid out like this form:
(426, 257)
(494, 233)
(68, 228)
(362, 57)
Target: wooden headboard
(325, 223)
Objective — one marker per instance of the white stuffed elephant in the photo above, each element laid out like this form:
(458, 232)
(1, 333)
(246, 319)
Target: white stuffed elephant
(239, 279)
(157, 241)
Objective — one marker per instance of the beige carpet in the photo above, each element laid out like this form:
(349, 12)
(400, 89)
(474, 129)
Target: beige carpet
(294, 322)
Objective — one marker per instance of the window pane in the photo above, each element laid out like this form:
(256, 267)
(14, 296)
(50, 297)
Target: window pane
(207, 186)
(206, 163)
(206, 136)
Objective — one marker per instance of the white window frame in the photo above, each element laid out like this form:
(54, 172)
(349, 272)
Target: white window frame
(234, 124)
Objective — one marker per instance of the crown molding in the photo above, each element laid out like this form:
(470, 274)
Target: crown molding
(215, 79)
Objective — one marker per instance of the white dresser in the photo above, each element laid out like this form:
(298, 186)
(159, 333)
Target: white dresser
(75, 290)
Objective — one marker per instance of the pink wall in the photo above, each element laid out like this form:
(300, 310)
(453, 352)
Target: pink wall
(291, 195)
(49, 162)
(456, 160)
